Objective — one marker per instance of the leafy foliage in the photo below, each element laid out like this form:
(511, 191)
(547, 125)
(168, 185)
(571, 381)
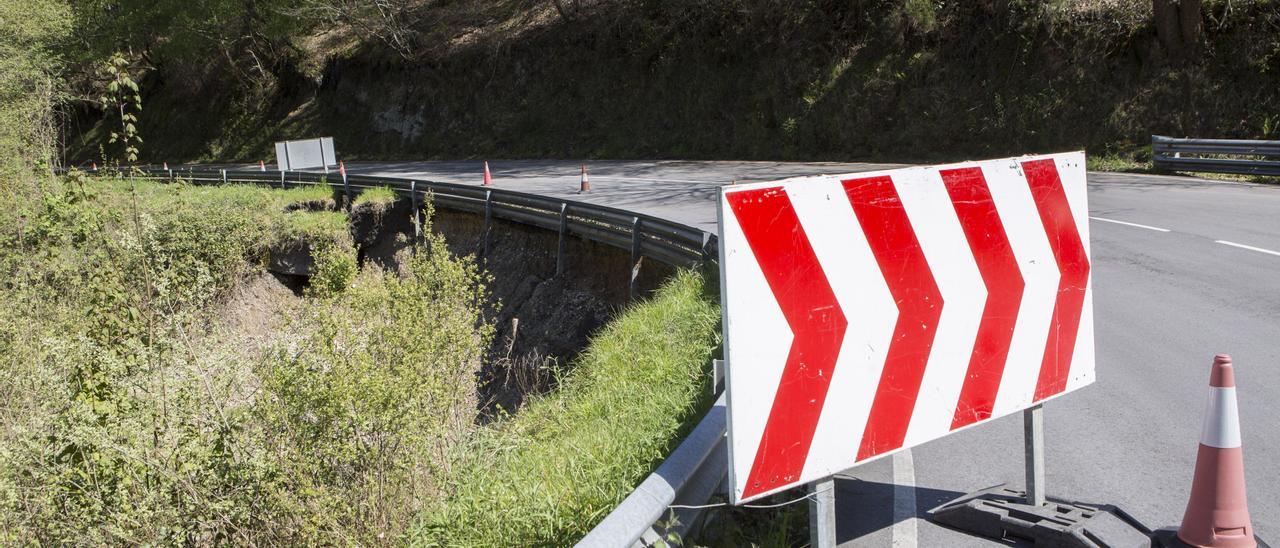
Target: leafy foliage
(122, 101)
(364, 408)
(31, 35)
(134, 415)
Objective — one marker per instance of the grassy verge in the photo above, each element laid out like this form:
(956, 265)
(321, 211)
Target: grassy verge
(547, 475)
(378, 196)
(1133, 164)
(1119, 163)
(317, 197)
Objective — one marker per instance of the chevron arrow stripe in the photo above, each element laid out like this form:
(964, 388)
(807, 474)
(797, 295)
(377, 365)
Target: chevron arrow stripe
(906, 272)
(980, 221)
(800, 287)
(1073, 264)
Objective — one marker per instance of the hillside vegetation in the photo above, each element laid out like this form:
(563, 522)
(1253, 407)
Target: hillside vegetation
(162, 388)
(744, 79)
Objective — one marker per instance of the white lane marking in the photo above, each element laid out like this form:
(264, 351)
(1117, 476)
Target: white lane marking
(904, 500)
(1148, 227)
(1249, 247)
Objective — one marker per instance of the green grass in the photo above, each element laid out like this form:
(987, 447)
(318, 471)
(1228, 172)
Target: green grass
(1118, 163)
(330, 226)
(263, 201)
(379, 196)
(547, 475)
(309, 193)
(265, 207)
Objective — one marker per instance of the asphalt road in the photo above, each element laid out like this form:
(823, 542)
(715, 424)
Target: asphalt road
(1172, 287)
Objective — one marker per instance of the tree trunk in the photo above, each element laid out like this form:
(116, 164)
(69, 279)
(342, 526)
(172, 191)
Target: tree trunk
(1189, 21)
(1168, 26)
(1178, 27)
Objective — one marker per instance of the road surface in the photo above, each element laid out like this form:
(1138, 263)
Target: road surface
(1183, 268)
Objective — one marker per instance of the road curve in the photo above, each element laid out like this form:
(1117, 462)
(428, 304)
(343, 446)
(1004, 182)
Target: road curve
(1183, 268)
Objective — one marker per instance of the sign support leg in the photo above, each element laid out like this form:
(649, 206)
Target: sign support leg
(1033, 441)
(822, 513)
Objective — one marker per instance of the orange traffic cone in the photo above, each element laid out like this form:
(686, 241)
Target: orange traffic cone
(95, 165)
(262, 166)
(488, 178)
(1217, 512)
(584, 185)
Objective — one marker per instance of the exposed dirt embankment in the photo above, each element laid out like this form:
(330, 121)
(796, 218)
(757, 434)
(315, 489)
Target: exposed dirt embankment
(543, 320)
(541, 316)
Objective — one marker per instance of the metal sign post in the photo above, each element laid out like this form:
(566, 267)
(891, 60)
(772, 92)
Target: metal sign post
(1033, 441)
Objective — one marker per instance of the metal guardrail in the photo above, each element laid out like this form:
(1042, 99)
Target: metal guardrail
(698, 466)
(644, 235)
(1174, 154)
(687, 478)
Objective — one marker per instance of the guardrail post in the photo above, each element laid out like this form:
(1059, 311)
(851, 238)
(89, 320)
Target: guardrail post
(717, 377)
(1033, 441)
(283, 186)
(635, 257)
(346, 189)
(417, 218)
(822, 513)
(560, 246)
(488, 218)
(224, 176)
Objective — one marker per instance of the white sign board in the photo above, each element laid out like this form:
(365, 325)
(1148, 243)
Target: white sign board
(306, 154)
(871, 312)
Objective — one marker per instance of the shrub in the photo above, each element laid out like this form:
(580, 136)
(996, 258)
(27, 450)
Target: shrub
(363, 410)
(145, 425)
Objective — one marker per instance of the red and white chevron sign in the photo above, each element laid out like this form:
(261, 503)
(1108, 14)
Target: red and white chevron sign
(871, 312)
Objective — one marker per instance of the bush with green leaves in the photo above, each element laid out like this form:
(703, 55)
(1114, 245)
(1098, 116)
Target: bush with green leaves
(133, 416)
(363, 409)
